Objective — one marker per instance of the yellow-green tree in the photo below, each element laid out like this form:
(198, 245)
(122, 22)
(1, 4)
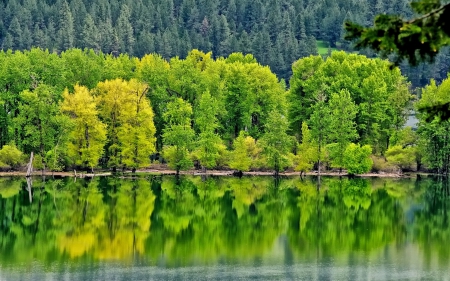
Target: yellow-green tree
(131, 132)
(137, 134)
(88, 135)
(306, 152)
(245, 152)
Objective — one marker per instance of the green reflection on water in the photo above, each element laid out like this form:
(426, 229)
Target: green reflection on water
(192, 220)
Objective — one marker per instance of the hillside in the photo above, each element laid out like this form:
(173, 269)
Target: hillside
(276, 32)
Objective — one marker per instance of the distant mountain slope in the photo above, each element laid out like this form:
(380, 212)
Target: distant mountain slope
(276, 32)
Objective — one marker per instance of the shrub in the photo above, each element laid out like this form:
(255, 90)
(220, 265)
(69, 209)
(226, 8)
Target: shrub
(404, 158)
(357, 159)
(381, 165)
(11, 156)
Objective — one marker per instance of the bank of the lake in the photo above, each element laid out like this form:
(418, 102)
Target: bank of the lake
(195, 172)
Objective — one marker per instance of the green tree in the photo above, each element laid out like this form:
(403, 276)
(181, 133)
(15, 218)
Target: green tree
(90, 34)
(342, 125)
(209, 143)
(433, 132)
(178, 134)
(154, 70)
(357, 159)
(39, 122)
(245, 154)
(380, 94)
(66, 31)
(320, 127)
(306, 152)
(275, 143)
(125, 31)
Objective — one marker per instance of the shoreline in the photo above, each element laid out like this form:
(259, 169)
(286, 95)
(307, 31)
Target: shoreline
(80, 174)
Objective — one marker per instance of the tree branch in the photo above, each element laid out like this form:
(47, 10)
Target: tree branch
(432, 13)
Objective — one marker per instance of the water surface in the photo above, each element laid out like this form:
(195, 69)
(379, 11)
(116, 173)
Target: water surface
(254, 228)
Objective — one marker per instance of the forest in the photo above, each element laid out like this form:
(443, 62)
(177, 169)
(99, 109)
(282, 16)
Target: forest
(221, 84)
(82, 109)
(275, 32)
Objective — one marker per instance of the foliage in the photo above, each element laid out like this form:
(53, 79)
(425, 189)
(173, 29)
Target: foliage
(245, 153)
(357, 159)
(306, 151)
(39, 123)
(320, 126)
(342, 125)
(209, 143)
(88, 136)
(417, 39)
(275, 143)
(129, 119)
(381, 95)
(403, 157)
(11, 156)
(432, 131)
(381, 165)
(178, 135)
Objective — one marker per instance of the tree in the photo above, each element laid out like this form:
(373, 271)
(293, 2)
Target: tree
(66, 31)
(320, 126)
(245, 152)
(125, 109)
(125, 31)
(154, 70)
(433, 132)
(88, 136)
(90, 34)
(209, 143)
(178, 134)
(357, 159)
(380, 94)
(417, 40)
(137, 134)
(275, 143)
(39, 121)
(342, 125)
(306, 152)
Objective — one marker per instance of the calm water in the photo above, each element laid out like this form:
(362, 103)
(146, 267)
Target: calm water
(255, 228)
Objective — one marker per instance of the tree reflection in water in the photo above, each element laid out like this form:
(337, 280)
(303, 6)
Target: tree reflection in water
(200, 221)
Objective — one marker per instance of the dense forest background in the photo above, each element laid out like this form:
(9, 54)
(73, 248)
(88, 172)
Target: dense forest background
(276, 32)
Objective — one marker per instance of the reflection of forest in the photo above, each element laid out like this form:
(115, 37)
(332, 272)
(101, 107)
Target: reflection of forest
(192, 220)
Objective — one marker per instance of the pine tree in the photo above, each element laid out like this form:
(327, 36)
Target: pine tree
(124, 31)
(65, 31)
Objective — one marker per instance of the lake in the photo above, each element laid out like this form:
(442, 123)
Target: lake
(224, 228)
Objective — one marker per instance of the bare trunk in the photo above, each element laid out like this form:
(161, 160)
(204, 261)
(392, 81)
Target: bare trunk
(30, 166)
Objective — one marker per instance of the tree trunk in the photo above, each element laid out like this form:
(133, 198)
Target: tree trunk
(30, 166)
